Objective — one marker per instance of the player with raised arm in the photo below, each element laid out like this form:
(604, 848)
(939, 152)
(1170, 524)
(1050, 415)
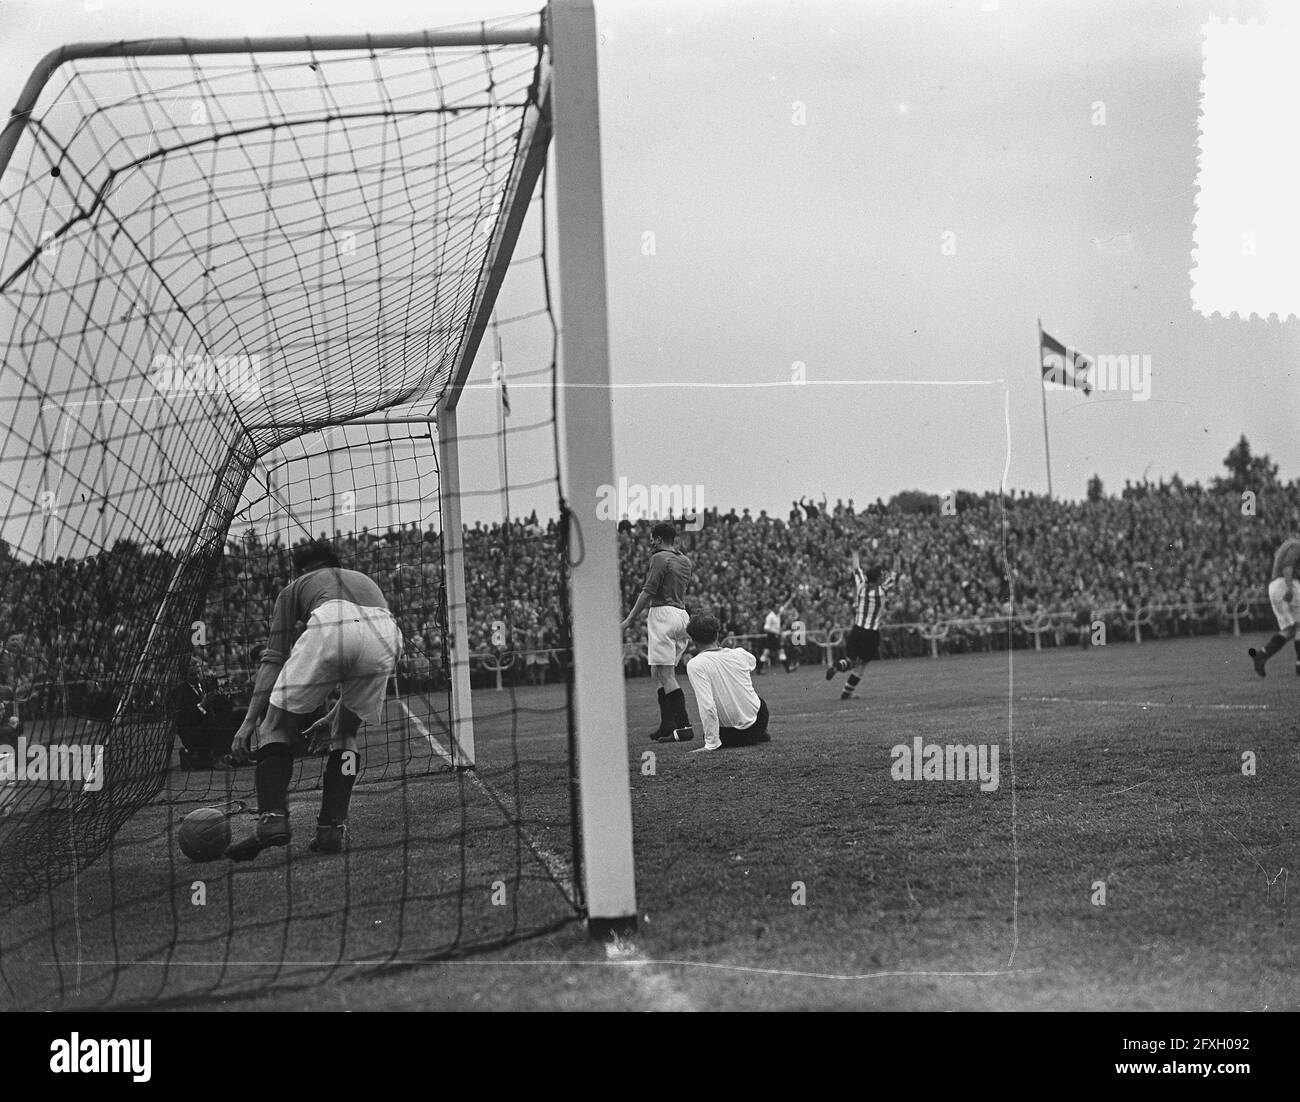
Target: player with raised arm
(869, 589)
(731, 712)
(350, 642)
(664, 594)
(1284, 595)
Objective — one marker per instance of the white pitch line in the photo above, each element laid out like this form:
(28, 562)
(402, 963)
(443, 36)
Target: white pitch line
(1151, 704)
(556, 865)
(434, 744)
(658, 988)
(614, 959)
(761, 384)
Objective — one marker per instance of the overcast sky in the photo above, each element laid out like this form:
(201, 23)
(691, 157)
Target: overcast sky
(799, 165)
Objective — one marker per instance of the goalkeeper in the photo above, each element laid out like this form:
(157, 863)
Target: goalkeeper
(351, 642)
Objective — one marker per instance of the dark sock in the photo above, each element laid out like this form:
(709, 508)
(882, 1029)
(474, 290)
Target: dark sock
(676, 702)
(665, 716)
(1297, 648)
(336, 790)
(272, 778)
(852, 683)
(1274, 645)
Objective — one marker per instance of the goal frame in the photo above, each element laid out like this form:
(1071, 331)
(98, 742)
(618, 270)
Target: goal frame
(564, 123)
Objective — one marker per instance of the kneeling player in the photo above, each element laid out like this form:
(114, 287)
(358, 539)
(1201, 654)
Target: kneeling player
(732, 713)
(1284, 595)
(864, 637)
(352, 642)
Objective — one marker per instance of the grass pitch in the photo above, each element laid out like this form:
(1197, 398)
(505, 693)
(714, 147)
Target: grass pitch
(1135, 855)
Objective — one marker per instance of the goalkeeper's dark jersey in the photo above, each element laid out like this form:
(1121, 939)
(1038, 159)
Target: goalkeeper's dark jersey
(301, 597)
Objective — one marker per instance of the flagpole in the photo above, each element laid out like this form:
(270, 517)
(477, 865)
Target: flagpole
(1047, 445)
(501, 423)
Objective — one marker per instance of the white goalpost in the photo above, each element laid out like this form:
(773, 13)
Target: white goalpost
(567, 115)
(345, 354)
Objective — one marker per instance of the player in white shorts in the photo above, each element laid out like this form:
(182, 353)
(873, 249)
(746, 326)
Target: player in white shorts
(1284, 595)
(664, 593)
(351, 643)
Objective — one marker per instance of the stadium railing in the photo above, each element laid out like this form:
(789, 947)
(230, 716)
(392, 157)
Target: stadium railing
(1040, 628)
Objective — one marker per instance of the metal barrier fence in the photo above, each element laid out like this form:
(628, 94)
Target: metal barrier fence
(1036, 630)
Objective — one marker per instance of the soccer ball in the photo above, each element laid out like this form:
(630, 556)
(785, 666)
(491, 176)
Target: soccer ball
(204, 834)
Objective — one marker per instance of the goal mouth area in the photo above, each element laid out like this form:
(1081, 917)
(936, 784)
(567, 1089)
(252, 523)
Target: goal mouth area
(217, 251)
(219, 244)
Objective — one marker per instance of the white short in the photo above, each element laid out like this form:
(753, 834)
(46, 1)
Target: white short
(1287, 612)
(666, 629)
(344, 646)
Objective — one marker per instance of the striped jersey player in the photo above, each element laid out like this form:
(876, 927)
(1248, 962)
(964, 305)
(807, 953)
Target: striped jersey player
(869, 589)
(1284, 595)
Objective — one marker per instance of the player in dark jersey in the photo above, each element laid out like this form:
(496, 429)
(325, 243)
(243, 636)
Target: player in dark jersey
(351, 642)
(1284, 595)
(869, 589)
(664, 594)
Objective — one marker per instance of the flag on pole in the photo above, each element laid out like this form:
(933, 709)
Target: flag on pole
(1062, 367)
(499, 369)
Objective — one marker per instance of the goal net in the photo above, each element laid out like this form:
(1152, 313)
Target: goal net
(245, 301)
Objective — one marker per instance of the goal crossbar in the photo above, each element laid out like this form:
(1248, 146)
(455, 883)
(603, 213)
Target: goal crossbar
(534, 143)
(561, 114)
(272, 44)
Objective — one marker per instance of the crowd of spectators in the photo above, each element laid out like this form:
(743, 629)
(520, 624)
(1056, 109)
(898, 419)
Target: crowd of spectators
(971, 561)
(974, 560)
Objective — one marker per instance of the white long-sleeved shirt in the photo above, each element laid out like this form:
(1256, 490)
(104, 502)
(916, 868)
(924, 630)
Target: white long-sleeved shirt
(724, 693)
